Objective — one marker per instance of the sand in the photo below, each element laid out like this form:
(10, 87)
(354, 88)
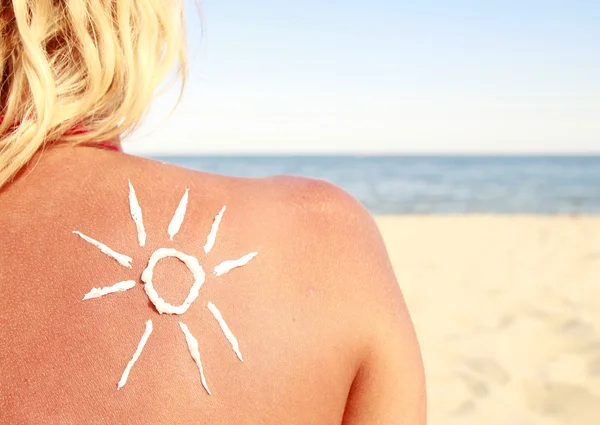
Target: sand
(507, 311)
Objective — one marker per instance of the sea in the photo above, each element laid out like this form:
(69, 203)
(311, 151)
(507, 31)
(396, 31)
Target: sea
(436, 184)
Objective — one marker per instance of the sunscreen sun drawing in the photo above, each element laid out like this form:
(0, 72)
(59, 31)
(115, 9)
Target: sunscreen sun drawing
(162, 306)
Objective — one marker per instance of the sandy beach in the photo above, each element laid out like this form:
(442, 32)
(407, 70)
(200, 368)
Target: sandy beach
(507, 310)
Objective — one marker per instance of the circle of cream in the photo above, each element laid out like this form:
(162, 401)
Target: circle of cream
(192, 264)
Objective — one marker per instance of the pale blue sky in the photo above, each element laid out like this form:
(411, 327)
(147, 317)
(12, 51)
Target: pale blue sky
(380, 76)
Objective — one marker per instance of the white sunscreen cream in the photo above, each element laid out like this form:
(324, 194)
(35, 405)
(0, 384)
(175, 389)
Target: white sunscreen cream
(210, 240)
(136, 214)
(123, 260)
(162, 306)
(193, 347)
(192, 264)
(228, 334)
(136, 355)
(227, 266)
(117, 287)
(179, 215)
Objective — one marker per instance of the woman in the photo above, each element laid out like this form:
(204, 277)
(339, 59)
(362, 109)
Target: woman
(305, 325)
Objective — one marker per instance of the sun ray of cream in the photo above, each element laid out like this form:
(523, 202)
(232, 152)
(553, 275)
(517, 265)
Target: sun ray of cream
(136, 214)
(227, 266)
(228, 334)
(193, 347)
(179, 215)
(136, 355)
(210, 240)
(123, 260)
(117, 287)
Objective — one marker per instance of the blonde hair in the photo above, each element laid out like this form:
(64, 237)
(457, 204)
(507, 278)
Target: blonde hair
(93, 64)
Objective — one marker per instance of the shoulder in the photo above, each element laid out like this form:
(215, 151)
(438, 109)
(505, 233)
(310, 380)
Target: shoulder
(315, 230)
(335, 223)
(342, 253)
(349, 252)
(322, 204)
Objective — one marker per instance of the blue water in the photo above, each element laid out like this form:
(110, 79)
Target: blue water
(436, 185)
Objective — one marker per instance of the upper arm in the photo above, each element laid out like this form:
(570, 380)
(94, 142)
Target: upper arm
(389, 383)
(389, 386)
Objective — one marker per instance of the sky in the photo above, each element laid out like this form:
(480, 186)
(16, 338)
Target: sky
(384, 77)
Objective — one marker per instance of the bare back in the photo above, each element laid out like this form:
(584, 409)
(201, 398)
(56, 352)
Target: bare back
(317, 315)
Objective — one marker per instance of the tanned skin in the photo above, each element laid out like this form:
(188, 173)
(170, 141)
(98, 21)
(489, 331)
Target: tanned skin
(320, 318)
